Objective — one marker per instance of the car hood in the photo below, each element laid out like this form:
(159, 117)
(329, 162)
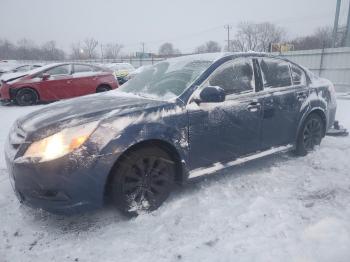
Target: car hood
(7, 77)
(84, 109)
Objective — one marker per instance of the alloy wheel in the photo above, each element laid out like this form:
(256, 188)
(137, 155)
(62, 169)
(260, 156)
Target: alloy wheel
(312, 134)
(147, 183)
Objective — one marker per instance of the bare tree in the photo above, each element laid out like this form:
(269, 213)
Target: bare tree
(208, 47)
(77, 51)
(25, 49)
(167, 49)
(256, 37)
(7, 49)
(90, 45)
(321, 38)
(112, 50)
(50, 52)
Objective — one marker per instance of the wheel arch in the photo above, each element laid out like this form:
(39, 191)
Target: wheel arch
(180, 168)
(14, 91)
(104, 85)
(320, 112)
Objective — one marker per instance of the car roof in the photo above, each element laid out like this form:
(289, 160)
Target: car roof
(220, 55)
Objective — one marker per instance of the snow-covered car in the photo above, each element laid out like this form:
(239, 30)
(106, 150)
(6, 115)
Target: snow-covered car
(18, 71)
(177, 120)
(7, 65)
(121, 71)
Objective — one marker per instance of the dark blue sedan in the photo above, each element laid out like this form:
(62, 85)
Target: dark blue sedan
(177, 120)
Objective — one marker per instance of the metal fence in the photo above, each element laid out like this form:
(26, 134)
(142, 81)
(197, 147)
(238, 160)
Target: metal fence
(135, 61)
(331, 63)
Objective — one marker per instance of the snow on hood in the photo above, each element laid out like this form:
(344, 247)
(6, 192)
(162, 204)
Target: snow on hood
(12, 76)
(88, 108)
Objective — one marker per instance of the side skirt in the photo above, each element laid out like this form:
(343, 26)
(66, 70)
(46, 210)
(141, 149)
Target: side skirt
(219, 166)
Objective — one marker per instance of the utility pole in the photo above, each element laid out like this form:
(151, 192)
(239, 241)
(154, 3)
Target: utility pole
(228, 28)
(347, 36)
(101, 52)
(143, 52)
(336, 23)
(143, 49)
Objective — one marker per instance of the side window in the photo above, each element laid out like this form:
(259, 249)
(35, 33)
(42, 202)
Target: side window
(275, 73)
(82, 68)
(298, 75)
(235, 77)
(59, 70)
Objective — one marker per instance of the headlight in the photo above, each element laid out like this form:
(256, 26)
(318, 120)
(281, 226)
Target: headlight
(61, 143)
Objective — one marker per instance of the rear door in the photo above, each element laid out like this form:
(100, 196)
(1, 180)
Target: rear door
(58, 85)
(221, 132)
(281, 103)
(84, 79)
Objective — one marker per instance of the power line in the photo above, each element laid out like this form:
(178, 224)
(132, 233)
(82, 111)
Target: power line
(191, 35)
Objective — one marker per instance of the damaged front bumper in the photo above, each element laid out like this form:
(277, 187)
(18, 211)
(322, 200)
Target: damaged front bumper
(62, 186)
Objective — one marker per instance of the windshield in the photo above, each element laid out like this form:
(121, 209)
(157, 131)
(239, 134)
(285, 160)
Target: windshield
(168, 79)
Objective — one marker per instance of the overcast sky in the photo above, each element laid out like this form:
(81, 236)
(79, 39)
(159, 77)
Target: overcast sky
(185, 23)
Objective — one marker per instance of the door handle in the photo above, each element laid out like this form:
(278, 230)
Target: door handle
(254, 107)
(69, 81)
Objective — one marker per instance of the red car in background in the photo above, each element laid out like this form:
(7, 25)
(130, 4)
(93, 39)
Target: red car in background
(56, 81)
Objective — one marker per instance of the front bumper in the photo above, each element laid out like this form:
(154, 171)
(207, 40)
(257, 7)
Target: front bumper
(4, 92)
(66, 185)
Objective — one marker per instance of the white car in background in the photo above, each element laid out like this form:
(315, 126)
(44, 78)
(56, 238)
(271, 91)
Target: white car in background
(13, 70)
(7, 65)
(121, 71)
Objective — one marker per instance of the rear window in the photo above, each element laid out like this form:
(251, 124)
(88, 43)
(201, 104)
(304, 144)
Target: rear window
(298, 75)
(82, 68)
(59, 70)
(275, 73)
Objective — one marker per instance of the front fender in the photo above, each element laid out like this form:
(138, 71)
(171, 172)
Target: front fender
(116, 137)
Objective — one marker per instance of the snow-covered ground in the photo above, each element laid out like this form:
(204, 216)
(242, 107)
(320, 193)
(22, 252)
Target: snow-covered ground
(280, 208)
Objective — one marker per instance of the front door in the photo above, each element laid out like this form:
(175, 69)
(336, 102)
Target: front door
(58, 85)
(221, 132)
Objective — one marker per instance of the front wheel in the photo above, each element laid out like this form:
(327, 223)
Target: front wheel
(310, 134)
(142, 180)
(26, 97)
(102, 88)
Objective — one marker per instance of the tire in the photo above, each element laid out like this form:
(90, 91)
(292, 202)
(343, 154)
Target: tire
(26, 97)
(142, 180)
(310, 134)
(102, 88)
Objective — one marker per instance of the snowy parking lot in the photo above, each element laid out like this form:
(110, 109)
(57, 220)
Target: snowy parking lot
(281, 208)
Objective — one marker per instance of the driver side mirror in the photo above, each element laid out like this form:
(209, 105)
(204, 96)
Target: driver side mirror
(211, 94)
(45, 76)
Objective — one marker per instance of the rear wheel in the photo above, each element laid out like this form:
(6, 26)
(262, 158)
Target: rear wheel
(26, 97)
(310, 134)
(102, 88)
(142, 180)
